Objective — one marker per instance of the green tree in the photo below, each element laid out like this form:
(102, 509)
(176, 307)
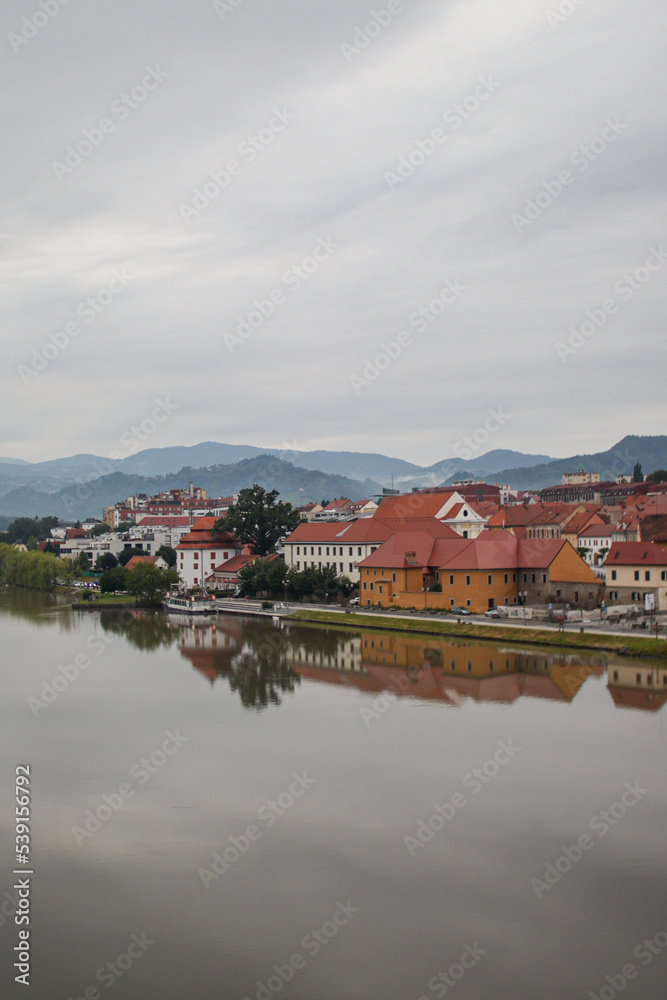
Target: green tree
(659, 476)
(150, 582)
(106, 561)
(125, 556)
(24, 528)
(82, 562)
(124, 526)
(259, 519)
(637, 476)
(113, 580)
(99, 529)
(168, 554)
(262, 577)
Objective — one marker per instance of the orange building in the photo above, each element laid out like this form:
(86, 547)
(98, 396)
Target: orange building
(412, 569)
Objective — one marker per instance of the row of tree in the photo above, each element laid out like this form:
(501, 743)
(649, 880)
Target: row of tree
(38, 570)
(272, 579)
(145, 581)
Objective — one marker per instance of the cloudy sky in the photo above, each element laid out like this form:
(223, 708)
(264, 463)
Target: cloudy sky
(173, 171)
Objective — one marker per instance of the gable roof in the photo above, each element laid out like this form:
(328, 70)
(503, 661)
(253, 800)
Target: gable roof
(636, 554)
(410, 505)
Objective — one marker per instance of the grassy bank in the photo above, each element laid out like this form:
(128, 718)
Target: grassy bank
(112, 601)
(624, 645)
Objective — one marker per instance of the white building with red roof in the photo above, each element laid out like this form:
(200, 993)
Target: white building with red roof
(202, 549)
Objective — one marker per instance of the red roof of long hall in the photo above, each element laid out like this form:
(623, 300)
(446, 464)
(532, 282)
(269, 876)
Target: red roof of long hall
(363, 529)
(412, 505)
(168, 520)
(636, 554)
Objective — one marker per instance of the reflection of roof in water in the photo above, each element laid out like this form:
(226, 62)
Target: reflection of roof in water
(435, 684)
(644, 700)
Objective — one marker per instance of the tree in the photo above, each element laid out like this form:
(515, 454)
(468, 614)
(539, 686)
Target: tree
(106, 561)
(659, 476)
(150, 582)
(28, 527)
(124, 526)
(99, 529)
(168, 554)
(259, 519)
(82, 562)
(113, 580)
(263, 577)
(125, 556)
(637, 476)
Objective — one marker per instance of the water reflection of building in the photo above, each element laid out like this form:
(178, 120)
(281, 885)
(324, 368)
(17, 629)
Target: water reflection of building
(447, 672)
(209, 647)
(636, 685)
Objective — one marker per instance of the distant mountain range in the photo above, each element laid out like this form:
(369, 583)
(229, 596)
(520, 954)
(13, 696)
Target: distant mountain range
(79, 486)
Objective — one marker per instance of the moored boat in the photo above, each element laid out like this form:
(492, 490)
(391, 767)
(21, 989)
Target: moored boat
(189, 604)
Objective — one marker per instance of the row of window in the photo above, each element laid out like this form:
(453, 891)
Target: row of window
(320, 547)
(351, 566)
(647, 575)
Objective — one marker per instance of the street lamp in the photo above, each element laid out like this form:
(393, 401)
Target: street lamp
(523, 594)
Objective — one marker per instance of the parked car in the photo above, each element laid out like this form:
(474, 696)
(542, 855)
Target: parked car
(353, 600)
(492, 613)
(459, 611)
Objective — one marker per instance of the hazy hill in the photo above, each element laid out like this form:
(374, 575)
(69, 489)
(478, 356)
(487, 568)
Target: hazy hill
(294, 484)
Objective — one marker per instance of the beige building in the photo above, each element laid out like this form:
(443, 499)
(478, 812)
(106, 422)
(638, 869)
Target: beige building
(635, 570)
(580, 478)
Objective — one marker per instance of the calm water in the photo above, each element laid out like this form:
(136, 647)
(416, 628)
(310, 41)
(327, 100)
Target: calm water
(267, 819)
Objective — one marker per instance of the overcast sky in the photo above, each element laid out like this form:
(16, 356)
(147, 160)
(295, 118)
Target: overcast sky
(403, 140)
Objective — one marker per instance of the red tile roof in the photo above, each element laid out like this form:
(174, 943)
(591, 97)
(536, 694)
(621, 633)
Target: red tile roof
(137, 560)
(636, 554)
(412, 505)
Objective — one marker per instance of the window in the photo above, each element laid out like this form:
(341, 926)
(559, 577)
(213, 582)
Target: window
(451, 579)
(663, 576)
(298, 565)
(647, 574)
(544, 578)
(615, 675)
(513, 577)
(350, 552)
(451, 602)
(465, 534)
(532, 578)
(371, 587)
(379, 588)
(359, 551)
(468, 603)
(489, 579)
(319, 551)
(393, 577)
(327, 550)
(507, 578)
(312, 551)
(525, 578)
(351, 565)
(467, 581)
(636, 574)
(613, 574)
(364, 585)
(437, 575)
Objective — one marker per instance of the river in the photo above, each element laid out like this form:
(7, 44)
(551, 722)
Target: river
(243, 810)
